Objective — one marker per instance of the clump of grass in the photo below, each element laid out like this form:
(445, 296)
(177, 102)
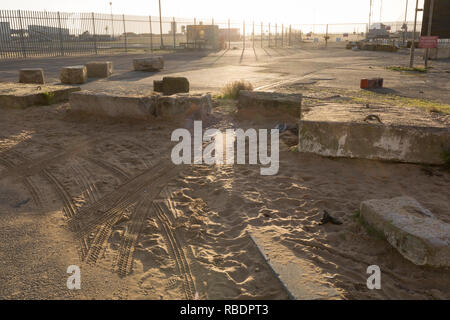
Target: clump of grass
(48, 97)
(446, 158)
(231, 90)
(371, 231)
(413, 69)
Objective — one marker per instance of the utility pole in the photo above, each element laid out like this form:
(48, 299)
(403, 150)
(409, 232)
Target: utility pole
(160, 26)
(112, 21)
(430, 19)
(405, 25)
(381, 9)
(370, 15)
(411, 55)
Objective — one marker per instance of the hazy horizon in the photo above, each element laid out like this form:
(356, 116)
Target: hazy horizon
(286, 11)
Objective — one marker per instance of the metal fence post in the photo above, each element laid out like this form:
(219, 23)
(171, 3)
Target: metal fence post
(22, 41)
(244, 34)
(269, 35)
(262, 32)
(229, 35)
(151, 33)
(95, 37)
(125, 33)
(282, 35)
(290, 34)
(174, 27)
(253, 34)
(276, 35)
(60, 36)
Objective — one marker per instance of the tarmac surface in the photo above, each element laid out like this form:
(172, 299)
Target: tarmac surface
(266, 68)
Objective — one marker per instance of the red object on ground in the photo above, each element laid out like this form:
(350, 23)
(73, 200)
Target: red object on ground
(371, 83)
(428, 42)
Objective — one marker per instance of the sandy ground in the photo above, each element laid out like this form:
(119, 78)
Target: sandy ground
(104, 195)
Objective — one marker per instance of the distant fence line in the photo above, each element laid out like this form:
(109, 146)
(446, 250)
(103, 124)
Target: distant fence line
(26, 34)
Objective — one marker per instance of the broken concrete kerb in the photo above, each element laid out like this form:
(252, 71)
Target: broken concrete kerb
(413, 230)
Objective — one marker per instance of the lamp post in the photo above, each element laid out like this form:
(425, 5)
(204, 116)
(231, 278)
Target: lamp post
(411, 54)
(112, 20)
(160, 26)
(430, 20)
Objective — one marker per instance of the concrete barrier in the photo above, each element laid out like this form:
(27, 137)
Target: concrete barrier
(73, 75)
(141, 106)
(439, 53)
(413, 144)
(99, 69)
(34, 75)
(270, 104)
(20, 96)
(184, 106)
(148, 64)
(411, 229)
(113, 105)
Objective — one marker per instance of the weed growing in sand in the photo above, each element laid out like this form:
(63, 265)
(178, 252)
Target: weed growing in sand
(231, 90)
(446, 158)
(371, 231)
(48, 97)
(408, 69)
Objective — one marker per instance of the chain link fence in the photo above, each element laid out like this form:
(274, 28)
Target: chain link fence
(25, 34)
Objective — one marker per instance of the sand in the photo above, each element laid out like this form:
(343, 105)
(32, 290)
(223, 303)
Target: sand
(104, 195)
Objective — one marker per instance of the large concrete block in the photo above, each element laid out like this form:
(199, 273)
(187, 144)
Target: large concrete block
(158, 86)
(73, 75)
(172, 85)
(258, 103)
(184, 106)
(18, 95)
(113, 105)
(148, 64)
(35, 75)
(413, 144)
(99, 69)
(411, 229)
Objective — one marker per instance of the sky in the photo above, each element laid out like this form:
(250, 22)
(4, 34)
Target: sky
(282, 11)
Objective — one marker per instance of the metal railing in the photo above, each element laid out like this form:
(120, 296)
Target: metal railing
(25, 34)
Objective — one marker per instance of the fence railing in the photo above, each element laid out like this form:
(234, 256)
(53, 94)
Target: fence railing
(26, 34)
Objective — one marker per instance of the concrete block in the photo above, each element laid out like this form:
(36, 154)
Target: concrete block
(184, 106)
(270, 104)
(373, 83)
(158, 85)
(412, 144)
(35, 75)
(113, 105)
(148, 64)
(439, 53)
(73, 75)
(172, 85)
(99, 69)
(413, 230)
(18, 95)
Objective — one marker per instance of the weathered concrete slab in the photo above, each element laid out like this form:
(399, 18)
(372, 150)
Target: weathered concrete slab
(355, 131)
(173, 85)
(34, 75)
(123, 104)
(411, 229)
(269, 104)
(73, 75)
(158, 86)
(184, 105)
(148, 64)
(298, 276)
(18, 95)
(113, 104)
(99, 69)
(374, 141)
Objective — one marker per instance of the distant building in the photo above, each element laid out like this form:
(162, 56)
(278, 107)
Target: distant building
(5, 29)
(45, 32)
(235, 34)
